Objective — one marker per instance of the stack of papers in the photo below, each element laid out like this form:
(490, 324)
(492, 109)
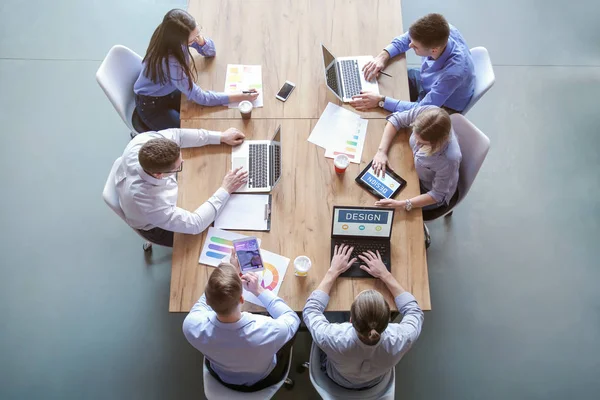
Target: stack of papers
(246, 212)
(340, 131)
(244, 77)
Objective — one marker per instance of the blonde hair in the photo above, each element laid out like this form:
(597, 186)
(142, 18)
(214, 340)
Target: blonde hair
(433, 126)
(370, 315)
(224, 289)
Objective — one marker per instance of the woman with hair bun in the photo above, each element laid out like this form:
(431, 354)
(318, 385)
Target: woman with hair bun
(358, 354)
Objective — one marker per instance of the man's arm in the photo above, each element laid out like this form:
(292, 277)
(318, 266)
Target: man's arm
(192, 321)
(191, 137)
(440, 92)
(399, 45)
(176, 219)
(285, 318)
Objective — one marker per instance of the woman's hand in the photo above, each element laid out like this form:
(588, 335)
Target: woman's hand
(390, 203)
(380, 162)
(236, 98)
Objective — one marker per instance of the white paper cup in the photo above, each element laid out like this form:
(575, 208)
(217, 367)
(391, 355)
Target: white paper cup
(245, 109)
(340, 163)
(301, 265)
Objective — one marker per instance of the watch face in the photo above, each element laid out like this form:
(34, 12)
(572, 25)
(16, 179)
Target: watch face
(381, 104)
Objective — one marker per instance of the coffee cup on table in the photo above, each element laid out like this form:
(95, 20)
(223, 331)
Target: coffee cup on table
(301, 265)
(246, 109)
(340, 163)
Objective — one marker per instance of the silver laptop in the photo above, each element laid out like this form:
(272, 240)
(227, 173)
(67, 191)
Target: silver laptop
(262, 160)
(344, 75)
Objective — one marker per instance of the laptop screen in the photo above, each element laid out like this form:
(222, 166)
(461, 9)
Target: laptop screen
(373, 222)
(332, 78)
(275, 157)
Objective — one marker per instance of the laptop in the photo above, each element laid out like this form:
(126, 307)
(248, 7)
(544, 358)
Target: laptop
(344, 75)
(364, 228)
(262, 160)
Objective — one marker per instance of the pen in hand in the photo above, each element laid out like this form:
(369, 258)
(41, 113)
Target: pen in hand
(248, 92)
(383, 73)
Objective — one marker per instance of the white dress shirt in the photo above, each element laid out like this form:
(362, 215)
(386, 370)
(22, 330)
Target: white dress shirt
(149, 202)
(242, 352)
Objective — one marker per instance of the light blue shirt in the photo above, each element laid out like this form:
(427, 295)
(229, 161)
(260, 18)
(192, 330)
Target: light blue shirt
(242, 352)
(352, 363)
(447, 81)
(438, 172)
(178, 80)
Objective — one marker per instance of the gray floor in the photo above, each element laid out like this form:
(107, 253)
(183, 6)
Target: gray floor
(514, 273)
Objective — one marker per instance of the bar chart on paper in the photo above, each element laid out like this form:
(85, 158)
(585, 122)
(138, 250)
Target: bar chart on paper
(349, 140)
(217, 246)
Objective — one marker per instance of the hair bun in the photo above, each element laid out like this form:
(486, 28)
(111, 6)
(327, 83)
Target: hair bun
(374, 335)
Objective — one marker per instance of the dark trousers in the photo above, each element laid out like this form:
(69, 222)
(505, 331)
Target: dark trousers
(416, 91)
(278, 373)
(429, 214)
(158, 236)
(159, 113)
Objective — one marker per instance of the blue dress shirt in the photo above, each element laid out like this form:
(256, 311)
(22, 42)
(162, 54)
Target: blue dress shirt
(178, 80)
(448, 81)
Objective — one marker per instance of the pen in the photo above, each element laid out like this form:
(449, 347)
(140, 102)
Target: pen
(383, 73)
(248, 92)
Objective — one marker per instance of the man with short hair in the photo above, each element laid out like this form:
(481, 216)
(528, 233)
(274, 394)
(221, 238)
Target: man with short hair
(244, 351)
(147, 188)
(447, 75)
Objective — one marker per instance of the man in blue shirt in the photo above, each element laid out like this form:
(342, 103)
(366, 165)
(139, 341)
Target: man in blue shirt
(446, 78)
(245, 352)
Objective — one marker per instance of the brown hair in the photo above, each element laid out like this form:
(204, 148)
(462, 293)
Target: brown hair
(224, 289)
(169, 39)
(158, 155)
(370, 315)
(434, 126)
(431, 31)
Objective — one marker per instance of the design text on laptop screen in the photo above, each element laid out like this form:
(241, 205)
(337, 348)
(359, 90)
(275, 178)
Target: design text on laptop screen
(357, 222)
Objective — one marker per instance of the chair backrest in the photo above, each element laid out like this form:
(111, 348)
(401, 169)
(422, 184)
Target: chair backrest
(109, 194)
(214, 390)
(116, 76)
(484, 75)
(474, 146)
(329, 390)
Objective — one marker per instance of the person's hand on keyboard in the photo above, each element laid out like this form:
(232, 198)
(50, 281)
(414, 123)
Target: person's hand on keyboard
(232, 137)
(365, 100)
(373, 264)
(234, 180)
(341, 260)
(372, 68)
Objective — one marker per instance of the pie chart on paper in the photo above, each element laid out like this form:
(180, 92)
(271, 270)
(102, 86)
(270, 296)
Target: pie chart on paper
(270, 276)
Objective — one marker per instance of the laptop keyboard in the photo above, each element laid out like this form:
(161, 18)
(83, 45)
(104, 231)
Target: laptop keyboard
(275, 161)
(258, 171)
(351, 77)
(332, 81)
(361, 247)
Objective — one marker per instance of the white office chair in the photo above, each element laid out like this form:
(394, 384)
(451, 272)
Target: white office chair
(214, 390)
(474, 146)
(329, 390)
(116, 76)
(484, 75)
(111, 197)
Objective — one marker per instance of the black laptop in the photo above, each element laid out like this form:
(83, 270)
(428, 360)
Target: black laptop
(364, 228)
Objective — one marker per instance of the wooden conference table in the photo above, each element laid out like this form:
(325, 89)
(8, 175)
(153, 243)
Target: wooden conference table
(284, 37)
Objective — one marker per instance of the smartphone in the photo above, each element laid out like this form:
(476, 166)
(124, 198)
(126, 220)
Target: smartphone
(285, 91)
(248, 254)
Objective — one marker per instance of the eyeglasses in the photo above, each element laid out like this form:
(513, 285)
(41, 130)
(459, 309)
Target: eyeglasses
(177, 170)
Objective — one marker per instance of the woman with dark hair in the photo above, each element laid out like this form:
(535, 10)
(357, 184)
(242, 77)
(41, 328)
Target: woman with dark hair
(169, 70)
(358, 354)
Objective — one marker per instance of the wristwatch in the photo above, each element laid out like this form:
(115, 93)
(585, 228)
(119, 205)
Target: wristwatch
(382, 101)
(407, 205)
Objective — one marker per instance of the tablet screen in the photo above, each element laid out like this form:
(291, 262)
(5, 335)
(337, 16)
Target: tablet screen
(385, 185)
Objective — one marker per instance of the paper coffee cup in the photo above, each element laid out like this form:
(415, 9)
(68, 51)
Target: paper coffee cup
(245, 109)
(340, 163)
(301, 265)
